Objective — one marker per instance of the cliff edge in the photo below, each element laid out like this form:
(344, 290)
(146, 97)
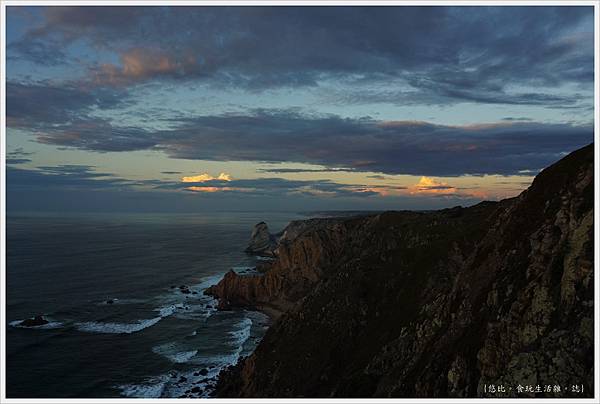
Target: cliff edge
(431, 304)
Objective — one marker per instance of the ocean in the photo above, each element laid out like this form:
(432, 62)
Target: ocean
(123, 295)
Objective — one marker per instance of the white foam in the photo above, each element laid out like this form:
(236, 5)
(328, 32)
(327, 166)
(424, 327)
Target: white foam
(221, 361)
(193, 307)
(116, 328)
(209, 281)
(152, 388)
(182, 357)
(190, 306)
(115, 301)
(170, 351)
(241, 335)
(195, 312)
(169, 385)
(48, 326)
(128, 328)
(169, 310)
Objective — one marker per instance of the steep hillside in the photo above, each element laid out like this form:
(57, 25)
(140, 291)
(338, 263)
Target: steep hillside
(436, 304)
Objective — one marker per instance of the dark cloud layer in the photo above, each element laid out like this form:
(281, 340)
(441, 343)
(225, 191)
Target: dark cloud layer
(443, 54)
(18, 156)
(85, 179)
(41, 105)
(361, 144)
(432, 92)
(523, 56)
(40, 52)
(303, 170)
(83, 189)
(17, 161)
(60, 178)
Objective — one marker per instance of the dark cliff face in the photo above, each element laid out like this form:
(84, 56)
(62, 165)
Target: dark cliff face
(436, 304)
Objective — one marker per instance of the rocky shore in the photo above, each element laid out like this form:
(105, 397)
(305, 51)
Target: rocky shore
(428, 304)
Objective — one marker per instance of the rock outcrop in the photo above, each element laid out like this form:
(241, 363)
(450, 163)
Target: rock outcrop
(303, 250)
(34, 322)
(431, 304)
(262, 242)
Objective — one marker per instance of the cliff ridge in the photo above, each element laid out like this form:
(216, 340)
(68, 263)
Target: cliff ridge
(430, 304)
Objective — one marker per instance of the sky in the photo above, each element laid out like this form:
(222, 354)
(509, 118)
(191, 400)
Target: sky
(191, 109)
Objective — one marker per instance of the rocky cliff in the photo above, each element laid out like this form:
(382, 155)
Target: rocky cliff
(262, 242)
(301, 257)
(435, 304)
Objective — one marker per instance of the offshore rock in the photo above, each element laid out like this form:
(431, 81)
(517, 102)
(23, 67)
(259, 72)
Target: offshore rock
(34, 322)
(261, 241)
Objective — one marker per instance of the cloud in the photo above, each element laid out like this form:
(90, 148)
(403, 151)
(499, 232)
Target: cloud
(441, 54)
(139, 64)
(17, 161)
(99, 135)
(275, 187)
(98, 24)
(39, 105)
(303, 170)
(63, 177)
(18, 156)
(86, 178)
(512, 118)
(40, 52)
(77, 188)
(69, 183)
(214, 189)
(431, 186)
(19, 152)
(429, 91)
(382, 190)
(360, 144)
(206, 177)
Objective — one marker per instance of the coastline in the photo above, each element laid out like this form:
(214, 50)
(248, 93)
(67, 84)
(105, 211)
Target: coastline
(418, 304)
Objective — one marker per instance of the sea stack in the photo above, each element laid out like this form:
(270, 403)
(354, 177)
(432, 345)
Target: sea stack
(261, 242)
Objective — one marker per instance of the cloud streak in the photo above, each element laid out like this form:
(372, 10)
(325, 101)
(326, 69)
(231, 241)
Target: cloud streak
(360, 144)
(38, 105)
(83, 178)
(82, 188)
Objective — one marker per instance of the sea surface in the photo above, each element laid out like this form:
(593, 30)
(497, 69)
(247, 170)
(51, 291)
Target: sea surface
(120, 325)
